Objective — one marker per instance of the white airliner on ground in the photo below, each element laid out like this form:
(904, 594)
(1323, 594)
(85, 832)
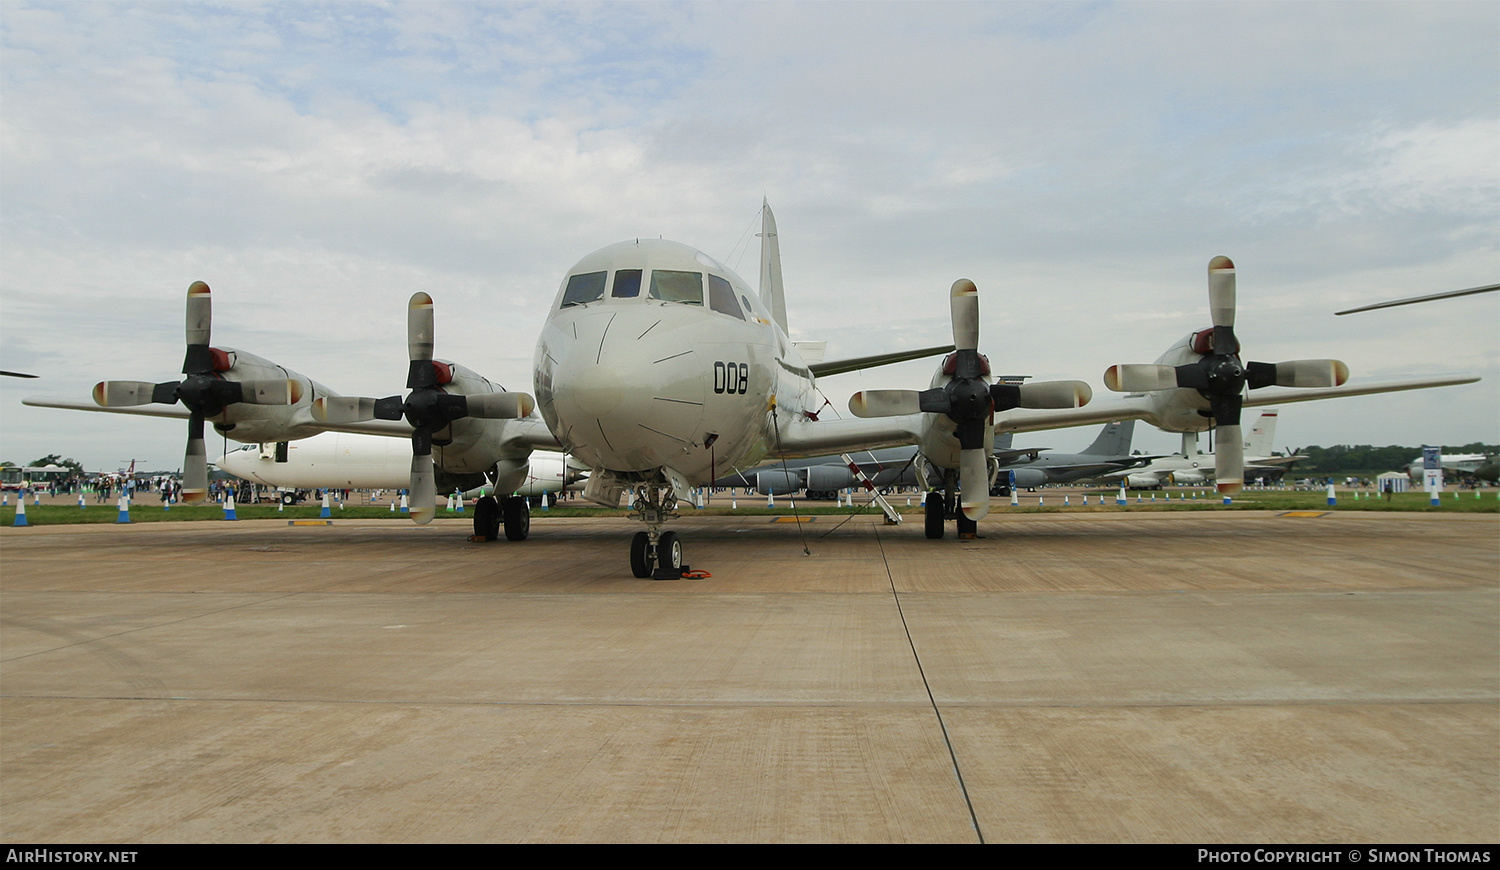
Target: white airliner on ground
(339, 460)
(660, 369)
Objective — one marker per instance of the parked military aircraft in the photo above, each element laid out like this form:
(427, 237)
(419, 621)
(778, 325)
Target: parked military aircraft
(1457, 466)
(660, 369)
(1109, 452)
(1193, 466)
(824, 476)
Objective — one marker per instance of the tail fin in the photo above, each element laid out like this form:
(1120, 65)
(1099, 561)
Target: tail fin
(1114, 439)
(1262, 438)
(771, 292)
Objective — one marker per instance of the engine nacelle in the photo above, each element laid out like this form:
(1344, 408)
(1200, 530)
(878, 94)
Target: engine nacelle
(1143, 481)
(471, 445)
(777, 482)
(827, 478)
(255, 424)
(1189, 478)
(1026, 478)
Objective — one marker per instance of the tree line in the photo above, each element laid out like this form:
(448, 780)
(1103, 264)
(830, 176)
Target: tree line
(1365, 457)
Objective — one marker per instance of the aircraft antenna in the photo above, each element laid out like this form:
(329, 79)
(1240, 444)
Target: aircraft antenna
(776, 424)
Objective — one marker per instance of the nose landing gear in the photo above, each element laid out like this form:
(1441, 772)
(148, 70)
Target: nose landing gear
(654, 553)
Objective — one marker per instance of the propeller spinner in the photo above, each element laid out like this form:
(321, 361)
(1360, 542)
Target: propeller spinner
(1220, 377)
(205, 392)
(969, 399)
(428, 408)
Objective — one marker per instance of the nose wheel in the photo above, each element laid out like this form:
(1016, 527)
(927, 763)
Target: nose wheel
(661, 560)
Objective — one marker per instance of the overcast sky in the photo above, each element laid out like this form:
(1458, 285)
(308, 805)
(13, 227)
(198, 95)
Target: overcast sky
(1081, 162)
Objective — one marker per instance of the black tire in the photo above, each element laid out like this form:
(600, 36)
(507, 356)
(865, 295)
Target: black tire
(487, 518)
(288, 498)
(640, 561)
(934, 515)
(669, 552)
(517, 516)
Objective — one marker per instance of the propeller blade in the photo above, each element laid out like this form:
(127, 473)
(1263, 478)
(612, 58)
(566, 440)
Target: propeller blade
(200, 313)
(123, 394)
(500, 406)
(199, 358)
(964, 310)
(1055, 394)
(343, 409)
(1137, 378)
(195, 463)
(423, 489)
(1221, 293)
(419, 335)
(884, 403)
(284, 391)
(1229, 459)
(1298, 373)
(974, 481)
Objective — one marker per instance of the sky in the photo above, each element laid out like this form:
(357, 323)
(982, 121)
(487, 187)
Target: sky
(316, 163)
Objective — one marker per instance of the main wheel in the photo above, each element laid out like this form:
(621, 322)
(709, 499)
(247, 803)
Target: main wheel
(288, 498)
(640, 559)
(934, 515)
(487, 518)
(517, 517)
(669, 552)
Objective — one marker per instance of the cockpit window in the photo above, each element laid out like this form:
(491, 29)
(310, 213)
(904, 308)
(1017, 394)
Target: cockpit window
(627, 284)
(670, 286)
(721, 297)
(588, 287)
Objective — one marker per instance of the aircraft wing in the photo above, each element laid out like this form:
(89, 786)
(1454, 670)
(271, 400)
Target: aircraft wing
(817, 438)
(1134, 406)
(1275, 395)
(1007, 456)
(177, 412)
(532, 431)
(1032, 419)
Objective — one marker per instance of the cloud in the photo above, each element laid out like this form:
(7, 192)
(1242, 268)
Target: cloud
(317, 163)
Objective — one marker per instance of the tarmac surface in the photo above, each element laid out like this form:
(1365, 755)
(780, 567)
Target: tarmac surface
(1197, 677)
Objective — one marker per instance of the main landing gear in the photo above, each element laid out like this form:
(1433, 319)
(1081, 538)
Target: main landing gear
(654, 553)
(513, 513)
(942, 505)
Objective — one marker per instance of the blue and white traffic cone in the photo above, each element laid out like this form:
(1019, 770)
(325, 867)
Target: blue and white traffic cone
(124, 515)
(1121, 499)
(405, 505)
(1332, 498)
(80, 499)
(325, 513)
(458, 501)
(229, 509)
(20, 519)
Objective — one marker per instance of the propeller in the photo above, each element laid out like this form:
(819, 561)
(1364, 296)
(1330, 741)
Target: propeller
(205, 392)
(1219, 376)
(428, 408)
(969, 400)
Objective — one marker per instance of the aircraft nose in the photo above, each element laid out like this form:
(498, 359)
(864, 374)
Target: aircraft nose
(629, 387)
(596, 389)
